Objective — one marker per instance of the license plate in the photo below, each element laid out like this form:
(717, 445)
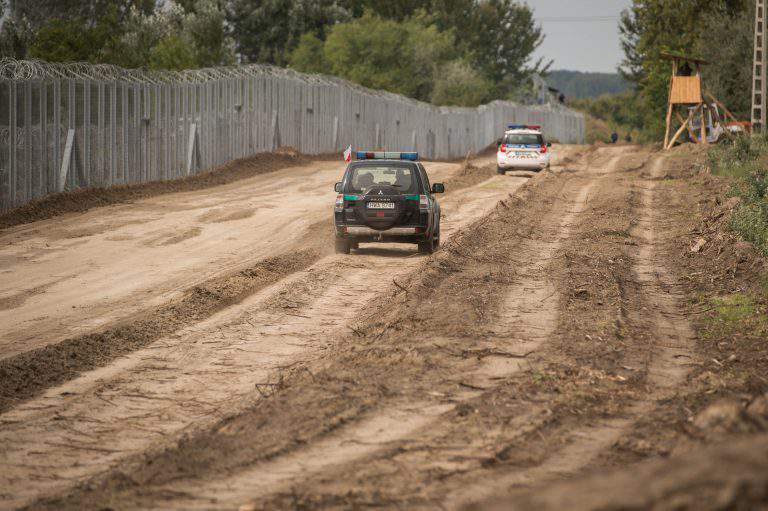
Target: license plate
(381, 205)
(522, 154)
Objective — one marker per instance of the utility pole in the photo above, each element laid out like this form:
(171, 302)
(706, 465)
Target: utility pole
(759, 81)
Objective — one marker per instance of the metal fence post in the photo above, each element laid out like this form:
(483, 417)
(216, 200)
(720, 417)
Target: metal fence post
(27, 178)
(44, 184)
(12, 144)
(86, 132)
(100, 135)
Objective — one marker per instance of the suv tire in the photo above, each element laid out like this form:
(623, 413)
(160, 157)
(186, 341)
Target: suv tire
(500, 170)
(343, 246)
(429, 246)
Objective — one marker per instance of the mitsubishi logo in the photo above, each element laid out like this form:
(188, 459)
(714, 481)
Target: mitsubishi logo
(381, 193)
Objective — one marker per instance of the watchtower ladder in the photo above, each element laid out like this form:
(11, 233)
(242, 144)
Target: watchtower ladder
(759, 81)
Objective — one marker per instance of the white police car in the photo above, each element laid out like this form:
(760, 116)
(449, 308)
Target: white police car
(523, 148)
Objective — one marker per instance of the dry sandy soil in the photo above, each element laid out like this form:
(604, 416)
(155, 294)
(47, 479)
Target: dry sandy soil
(204, 349)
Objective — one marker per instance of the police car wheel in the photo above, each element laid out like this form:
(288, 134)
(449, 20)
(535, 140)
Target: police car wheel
(343, 246)
(500, 170)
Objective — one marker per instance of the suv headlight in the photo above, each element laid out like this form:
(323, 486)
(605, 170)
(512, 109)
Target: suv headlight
(339, 207)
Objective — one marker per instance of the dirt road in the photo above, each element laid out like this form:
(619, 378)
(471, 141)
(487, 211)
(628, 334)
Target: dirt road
(256, 370)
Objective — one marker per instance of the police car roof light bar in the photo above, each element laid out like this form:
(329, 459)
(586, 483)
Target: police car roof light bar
(386, 155)
(523, 127)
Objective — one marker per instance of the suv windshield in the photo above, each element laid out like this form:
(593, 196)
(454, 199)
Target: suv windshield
(401, 176)
(523, 139)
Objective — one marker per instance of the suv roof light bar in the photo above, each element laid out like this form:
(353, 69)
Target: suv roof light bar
(386, 155)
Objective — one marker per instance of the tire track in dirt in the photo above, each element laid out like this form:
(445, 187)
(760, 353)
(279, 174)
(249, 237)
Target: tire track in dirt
(188, 380)
(669, 350)
(529, 318)
(27, 374)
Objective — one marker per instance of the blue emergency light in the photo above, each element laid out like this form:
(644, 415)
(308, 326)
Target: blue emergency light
(386, 155)
(523, 127)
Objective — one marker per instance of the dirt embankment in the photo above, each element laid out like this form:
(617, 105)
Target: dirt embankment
(88, 198)
(705, 443)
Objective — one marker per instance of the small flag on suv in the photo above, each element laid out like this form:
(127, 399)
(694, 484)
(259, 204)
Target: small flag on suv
(348, 154)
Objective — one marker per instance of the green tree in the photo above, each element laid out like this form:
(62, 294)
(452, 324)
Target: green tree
(76, 39)
(15, 37)
(727, 43)
(40, 12)
(402, 57)
(457, 84)
(372, 52)
(172, 39)
(65, 41)
(205, 26)
(501, 37)
(397, 10)
(309, 56)
(139, 34)
(269, 30)
(173, 52)
(432, 49)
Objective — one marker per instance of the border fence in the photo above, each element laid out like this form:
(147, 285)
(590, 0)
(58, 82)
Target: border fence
(69, 126)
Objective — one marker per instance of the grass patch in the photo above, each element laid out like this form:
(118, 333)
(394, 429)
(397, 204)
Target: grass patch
(736, 313)
(733, 308)
(745, 160)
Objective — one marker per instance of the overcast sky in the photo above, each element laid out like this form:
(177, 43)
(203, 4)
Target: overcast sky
(581, 35)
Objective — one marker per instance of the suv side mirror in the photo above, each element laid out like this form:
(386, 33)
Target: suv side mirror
(337, 187)
(549, 144)
(438, 188)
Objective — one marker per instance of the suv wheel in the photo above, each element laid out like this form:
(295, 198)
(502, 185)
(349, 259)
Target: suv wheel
(429, 246)
(343, 246)
(500, 170)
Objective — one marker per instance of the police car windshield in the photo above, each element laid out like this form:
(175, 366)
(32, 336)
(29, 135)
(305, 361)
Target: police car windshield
(523, 139)
(401, 177)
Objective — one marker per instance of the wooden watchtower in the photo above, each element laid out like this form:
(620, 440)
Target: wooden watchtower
(685, 90)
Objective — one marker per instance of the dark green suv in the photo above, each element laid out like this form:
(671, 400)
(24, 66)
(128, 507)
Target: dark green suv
(386, 197)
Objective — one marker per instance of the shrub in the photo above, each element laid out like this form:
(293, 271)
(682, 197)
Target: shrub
(744, 160)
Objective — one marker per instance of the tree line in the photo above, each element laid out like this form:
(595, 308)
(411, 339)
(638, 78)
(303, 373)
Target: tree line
(449, 52)
(719, 31)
